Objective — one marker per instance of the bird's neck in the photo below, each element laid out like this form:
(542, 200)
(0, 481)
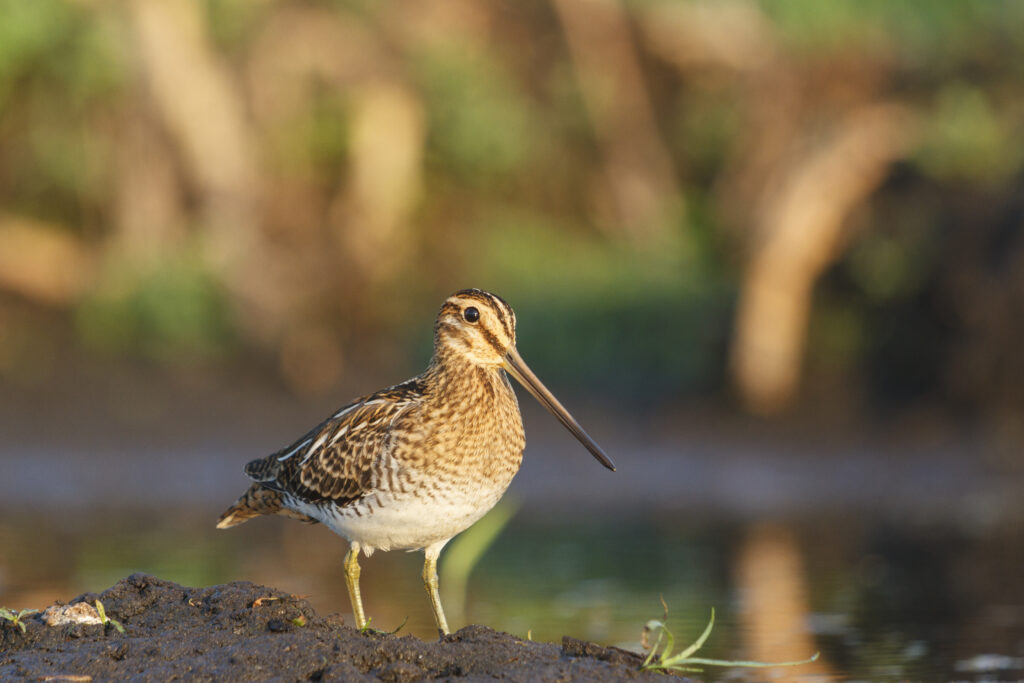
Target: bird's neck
(454, 375)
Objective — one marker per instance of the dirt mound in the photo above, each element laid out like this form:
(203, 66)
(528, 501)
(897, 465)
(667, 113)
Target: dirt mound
(244, 632)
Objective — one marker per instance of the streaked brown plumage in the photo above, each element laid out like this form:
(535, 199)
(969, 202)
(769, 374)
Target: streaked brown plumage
(413, 465)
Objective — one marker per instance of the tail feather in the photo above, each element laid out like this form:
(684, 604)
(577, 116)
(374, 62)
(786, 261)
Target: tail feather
(255, 502)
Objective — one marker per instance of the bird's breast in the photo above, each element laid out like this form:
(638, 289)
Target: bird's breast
(464, 436)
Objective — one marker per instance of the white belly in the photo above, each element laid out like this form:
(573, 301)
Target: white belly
(388, 521)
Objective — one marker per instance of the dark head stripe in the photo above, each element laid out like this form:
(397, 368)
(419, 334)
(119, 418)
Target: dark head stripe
(511, 319)
(475, 294)
(447, 307)
(492, 340)
(502, 316)
(450, 307)
(500, 307)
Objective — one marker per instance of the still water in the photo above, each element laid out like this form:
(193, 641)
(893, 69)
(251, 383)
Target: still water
(894, 562)
(879, 600)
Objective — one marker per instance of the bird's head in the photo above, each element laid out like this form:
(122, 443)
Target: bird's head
(480, 327)
(477, 326)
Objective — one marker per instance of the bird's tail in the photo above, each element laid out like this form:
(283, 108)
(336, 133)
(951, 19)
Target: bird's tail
(256, 501)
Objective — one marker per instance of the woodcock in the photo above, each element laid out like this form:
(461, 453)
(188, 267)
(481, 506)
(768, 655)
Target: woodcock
(411, 466)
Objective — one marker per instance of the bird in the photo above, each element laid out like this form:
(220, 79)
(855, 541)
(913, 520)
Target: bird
(413, 465)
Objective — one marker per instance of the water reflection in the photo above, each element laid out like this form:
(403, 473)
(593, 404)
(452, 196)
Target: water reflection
(774, 607)
(879, 599)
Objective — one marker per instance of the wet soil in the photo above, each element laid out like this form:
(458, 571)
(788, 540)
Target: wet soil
(244, 632)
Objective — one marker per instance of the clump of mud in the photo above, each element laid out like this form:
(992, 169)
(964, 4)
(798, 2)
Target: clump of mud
(244, 632)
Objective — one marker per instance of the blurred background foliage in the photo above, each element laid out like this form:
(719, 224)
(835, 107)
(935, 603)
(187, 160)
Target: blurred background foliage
(789, 204)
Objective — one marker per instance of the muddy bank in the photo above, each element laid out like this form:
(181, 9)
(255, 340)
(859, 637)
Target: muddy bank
(245, 632)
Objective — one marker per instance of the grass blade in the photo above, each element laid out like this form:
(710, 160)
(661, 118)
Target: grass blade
(699, 643)
(661, 658)
(750, 664)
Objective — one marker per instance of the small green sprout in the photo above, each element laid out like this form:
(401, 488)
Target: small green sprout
(16, 617)
(299, 621)
(369, 629)
(662, 659)
(107, 620)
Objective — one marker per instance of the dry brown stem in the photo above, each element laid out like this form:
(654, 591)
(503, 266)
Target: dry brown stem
(800, 232)
(197, 100)
(638, 179)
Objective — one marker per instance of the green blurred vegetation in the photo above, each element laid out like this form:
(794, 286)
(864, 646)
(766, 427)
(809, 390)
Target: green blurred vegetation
(481, 130)
(370, 159)
(173, 308)
(652, 320)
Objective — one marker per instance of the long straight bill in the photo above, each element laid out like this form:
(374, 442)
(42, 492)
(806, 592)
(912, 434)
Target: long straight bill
(516, 367)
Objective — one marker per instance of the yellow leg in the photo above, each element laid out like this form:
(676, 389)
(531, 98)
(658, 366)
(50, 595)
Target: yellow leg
(352, 581)
(430, 583)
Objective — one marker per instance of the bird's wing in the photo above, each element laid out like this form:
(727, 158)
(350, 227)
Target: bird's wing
(337, 460)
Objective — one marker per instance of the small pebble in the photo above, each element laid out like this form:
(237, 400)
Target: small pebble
(78, 613)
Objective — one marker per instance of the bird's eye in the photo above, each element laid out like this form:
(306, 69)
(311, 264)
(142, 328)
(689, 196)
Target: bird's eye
(471, 314)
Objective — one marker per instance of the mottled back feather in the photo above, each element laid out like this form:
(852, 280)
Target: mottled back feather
(337, 460)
